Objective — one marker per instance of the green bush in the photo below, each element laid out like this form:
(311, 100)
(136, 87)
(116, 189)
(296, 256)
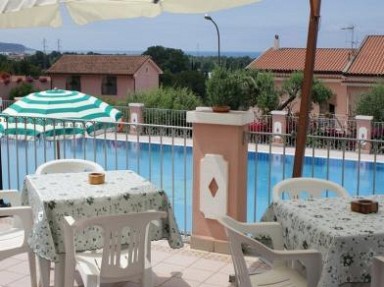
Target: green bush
(167, 98)
(22, 90)
(372, 104)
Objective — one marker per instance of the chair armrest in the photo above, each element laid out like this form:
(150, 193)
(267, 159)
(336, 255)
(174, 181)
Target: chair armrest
(270, 229)
(23, 217)
(312, 259)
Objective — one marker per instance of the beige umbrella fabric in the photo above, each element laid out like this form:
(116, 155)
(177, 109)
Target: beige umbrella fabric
(35, 13)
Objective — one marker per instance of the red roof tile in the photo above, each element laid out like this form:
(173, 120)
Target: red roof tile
(370, 57)
(328, 60)
(98, 64)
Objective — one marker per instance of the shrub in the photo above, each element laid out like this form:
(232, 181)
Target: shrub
(21, 91)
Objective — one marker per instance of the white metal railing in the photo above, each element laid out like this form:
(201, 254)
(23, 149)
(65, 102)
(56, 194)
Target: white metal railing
(163, 154)
(272, 161)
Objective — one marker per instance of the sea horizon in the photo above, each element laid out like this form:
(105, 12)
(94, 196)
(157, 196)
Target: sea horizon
(250, 54)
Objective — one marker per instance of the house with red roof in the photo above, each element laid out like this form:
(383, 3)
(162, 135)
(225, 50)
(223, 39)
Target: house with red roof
(114, 76)
(347, 72)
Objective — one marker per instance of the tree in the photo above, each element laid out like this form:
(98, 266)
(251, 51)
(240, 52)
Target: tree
(168, 59)
(292, 87)
(268, 98)
(372, 103)
(193, 80)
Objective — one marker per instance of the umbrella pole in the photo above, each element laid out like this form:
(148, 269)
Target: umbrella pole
(57, 149)
(1, 168)
(306, 88)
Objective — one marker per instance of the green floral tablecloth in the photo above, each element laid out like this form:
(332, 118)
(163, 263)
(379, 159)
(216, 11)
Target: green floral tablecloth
(53, 196)
(347, 240)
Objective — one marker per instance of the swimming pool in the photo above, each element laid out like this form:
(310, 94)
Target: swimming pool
(170, 168)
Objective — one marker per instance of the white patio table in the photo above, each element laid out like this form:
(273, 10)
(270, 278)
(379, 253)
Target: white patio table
(347, 240)
(53, 196)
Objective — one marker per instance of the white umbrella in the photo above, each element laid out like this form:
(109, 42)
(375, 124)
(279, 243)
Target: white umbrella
(34, 13)
(29, 13)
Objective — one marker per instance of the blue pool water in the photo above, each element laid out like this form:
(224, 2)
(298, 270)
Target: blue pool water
(170, 168)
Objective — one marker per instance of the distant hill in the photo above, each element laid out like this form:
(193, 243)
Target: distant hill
(13, 48)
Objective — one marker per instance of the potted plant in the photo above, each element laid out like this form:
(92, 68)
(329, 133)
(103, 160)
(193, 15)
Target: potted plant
(220, 95)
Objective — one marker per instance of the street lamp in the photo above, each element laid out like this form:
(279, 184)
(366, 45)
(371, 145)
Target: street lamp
(209, 18)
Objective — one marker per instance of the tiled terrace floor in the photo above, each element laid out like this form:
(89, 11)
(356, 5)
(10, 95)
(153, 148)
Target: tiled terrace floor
(172, 268)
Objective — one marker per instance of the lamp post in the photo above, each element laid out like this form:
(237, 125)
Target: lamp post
(209, 18)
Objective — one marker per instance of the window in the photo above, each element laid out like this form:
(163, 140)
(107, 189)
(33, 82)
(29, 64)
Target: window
(73, 83)
(331, 109)
(109, 85)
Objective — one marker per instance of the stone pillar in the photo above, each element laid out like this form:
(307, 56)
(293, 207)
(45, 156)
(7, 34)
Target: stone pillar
(279, 127)
(363, 133)
(136, 116)
(220, 152)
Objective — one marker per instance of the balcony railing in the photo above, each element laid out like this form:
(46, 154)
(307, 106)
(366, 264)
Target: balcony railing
(163, 154)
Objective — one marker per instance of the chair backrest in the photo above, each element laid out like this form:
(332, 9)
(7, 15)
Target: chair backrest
(307, 187)
(68, 165)
(118, 260)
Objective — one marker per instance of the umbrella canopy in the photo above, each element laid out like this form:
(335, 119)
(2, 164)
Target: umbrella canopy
(21, 13)
(28, 13)
(57, 114)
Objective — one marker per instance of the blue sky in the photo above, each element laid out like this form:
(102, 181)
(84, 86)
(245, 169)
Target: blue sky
(248, 28)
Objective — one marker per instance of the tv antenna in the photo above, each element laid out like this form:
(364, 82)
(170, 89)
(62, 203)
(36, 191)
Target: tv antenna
(351, 28)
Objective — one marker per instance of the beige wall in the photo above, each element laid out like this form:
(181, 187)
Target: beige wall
(147, 77)
(346, 95)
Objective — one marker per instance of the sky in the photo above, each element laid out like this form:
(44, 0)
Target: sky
(246, 29)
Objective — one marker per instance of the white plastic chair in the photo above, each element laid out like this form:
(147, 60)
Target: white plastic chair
(116, 262)
(377, 272)
(68, 165)
(279, 260)
(294, 188)
(13, 240)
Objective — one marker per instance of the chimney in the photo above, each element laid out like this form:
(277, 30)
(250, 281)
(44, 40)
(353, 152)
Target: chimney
(276, 43)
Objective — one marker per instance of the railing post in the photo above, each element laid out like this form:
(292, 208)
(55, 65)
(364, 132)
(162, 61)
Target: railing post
(136, 116)
(363, 133)
(220, 150)
(279, 126)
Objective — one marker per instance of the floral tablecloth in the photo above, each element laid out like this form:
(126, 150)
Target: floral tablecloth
(347, 240)
(53, 196)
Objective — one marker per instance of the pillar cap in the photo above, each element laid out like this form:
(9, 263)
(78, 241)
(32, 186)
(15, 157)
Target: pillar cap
(232, 118)
(283, 113)
(368, 118)
(136, 105)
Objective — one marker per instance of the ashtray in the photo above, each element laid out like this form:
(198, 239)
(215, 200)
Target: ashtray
(365, 206)
(96, 178)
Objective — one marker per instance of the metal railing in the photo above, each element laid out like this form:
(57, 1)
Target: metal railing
(362, 174)
(163, 155)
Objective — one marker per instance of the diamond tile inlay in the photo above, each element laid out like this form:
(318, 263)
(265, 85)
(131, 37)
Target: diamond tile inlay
(213, 187)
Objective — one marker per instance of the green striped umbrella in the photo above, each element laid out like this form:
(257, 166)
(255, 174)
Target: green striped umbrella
(57, 114)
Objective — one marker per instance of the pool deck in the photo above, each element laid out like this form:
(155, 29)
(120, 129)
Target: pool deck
(263, 148)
